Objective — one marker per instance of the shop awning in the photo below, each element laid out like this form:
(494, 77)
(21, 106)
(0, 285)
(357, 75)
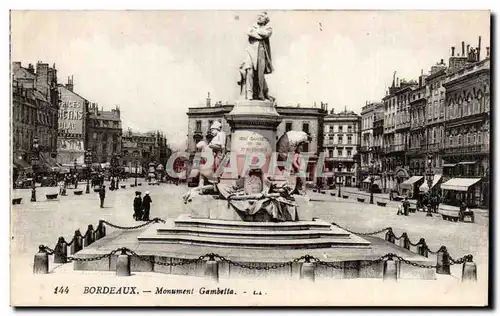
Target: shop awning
(459, 184)
(408, 183)
(367, 180)
(437, 178)
(467, 163)
(21, 163)
(449, 164)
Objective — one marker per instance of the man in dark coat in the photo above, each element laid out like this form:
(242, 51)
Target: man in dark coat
(146, 203)
(102, 195)
(406, 206)
(137, 206)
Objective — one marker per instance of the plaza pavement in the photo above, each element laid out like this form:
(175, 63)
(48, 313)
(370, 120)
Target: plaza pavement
(44, 221)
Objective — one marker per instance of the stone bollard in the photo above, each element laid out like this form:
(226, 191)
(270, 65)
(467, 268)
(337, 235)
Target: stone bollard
(89, 236)
(61, 251)
(77, 244)
(389, 236)
(422, 248)
(390, 270)
(307, 270)
(404, 241)
(41, 262)
(443, 261)
(123, 264)
(100, 231)
(212, 269)
(469, 271)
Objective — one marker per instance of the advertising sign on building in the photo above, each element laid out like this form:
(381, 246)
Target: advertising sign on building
(71, 113)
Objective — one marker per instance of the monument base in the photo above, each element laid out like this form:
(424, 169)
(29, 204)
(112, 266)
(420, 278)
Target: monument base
(349, 261)
(208, 207)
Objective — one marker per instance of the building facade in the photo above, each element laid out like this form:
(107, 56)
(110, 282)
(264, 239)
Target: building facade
(418, 137)
(369, 113)
(341, 144)
(466, 145)
(434, 127)
(35, 103)
(104, 133)
(141, 149)
(71, 140)
(396, 132)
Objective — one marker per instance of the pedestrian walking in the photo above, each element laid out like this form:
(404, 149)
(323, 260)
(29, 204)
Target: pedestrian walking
(137, 206)
(146, 204)
(406, 206)
(112, 184)
(102, 194)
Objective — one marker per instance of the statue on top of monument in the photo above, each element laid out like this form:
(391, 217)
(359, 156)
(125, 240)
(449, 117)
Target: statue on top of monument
(257, 61)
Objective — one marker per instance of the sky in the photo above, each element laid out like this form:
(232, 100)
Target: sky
(156, 64)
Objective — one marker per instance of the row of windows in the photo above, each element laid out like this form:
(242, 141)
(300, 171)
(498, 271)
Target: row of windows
(30, 116)
(339, 153)
(104, 137)
(340, 139)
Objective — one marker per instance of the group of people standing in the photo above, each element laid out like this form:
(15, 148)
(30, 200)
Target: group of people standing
(142, 206)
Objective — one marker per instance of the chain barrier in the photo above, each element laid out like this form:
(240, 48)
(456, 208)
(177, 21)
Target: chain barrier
(433, 252)
(419, 265)
(213, 257)
(362, 234)
(251, 267)
(168, 264)
(71, 242)
(154, 220)
(466, 258)
(71, 258)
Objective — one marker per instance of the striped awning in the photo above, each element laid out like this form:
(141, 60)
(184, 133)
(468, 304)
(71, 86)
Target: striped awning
(459, 184)
(449, 165)
(435, 180)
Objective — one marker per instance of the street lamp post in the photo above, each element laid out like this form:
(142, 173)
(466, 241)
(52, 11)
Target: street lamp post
(34, 163)
(372, 179)
(75, 177)
(340, 182)
(116, 167)
(429, 185)
(88, 161)
(136, 172)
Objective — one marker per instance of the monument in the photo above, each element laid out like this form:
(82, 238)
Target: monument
(258, 206)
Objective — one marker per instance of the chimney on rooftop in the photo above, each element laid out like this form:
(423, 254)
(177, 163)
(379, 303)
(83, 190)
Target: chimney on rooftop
(208, 100)
(487, 52)
(479, 49)
(442, 61)
(70, 84)
(453, 51)
(468, 50)
(463, 49)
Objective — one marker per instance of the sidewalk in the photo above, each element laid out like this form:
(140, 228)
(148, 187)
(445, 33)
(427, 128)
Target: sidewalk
(379, 196)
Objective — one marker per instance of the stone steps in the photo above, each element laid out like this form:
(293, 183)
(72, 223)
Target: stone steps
(240, 234)
(308, 243)
(251, 234)
(252, 226)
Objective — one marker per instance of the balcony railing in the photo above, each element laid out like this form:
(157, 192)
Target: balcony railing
(342, 144)
(403, 125)
(476, 149)
(340, 158)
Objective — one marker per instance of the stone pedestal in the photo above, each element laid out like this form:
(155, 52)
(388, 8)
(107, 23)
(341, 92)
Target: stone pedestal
(304, 210)
(253, 132)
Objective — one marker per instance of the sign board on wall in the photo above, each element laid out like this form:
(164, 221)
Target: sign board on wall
(71, 112)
